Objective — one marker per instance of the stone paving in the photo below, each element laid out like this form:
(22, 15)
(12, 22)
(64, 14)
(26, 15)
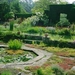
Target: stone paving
(42, 57)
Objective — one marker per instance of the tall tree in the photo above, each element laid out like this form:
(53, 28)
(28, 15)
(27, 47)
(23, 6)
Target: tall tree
(19, 6)
(4, 9)
(42, 5)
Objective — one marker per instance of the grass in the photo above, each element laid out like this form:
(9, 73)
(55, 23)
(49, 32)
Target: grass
(9, 71)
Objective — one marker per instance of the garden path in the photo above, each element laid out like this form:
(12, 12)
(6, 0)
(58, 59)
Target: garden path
(42, 57)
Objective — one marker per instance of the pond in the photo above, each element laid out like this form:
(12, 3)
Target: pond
(11, 56)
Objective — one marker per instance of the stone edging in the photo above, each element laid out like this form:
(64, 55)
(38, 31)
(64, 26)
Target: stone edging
(35, 61)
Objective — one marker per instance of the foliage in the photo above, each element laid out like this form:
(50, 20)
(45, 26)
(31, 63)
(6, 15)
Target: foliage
(64, 22)
(9, 15)
(15, 6)
(27, 5)
(43, 19)
(46, 71)
(10, 56)
(55, 59)
(25, 15)
(11, 52)
(31, 21)
(9, 71)
(57, 70)
(32, 30)
(68, 52)
(51, 30)
(11, 24)
(4, 9)
(42, 5)
(6, 73)
(14, 44)
(65, 31)
(70, 72)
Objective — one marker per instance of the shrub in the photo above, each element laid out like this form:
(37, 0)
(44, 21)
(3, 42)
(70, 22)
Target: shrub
(65, 31)
(32, 30)
(11, 24)
(31, 21)
(51, 30)
(9, 15)
(14, 44)
(63, 21)
(36, 29)
(46, 71)
(57, 70)
(70, 72)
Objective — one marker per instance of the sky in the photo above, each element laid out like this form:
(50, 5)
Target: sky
(35, 0)
(70, 1)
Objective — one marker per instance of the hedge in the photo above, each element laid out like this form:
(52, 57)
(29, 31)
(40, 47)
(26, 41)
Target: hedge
(26, 38)
(56, 9)
(20, 15)
(61, 44)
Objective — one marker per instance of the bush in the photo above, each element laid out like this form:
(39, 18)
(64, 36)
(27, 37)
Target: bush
(65, 31)
(63, 21)
(46, 71)
(51, 30)
(32, 30)
(14, 44)
(9, 15)
(8, 35)
(31, 21)
(70, 72)
(39, 30)
(57, 70)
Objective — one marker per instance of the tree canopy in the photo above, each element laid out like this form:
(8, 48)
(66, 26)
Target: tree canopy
(42, 5)
(19, 6)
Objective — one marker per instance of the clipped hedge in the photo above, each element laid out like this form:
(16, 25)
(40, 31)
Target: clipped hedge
(20, 15)
(61, 44)
(6, 36)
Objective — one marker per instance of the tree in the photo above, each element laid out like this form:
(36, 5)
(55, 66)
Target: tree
(4, 9)
(19, 6)
(16, 7)
(42, 5)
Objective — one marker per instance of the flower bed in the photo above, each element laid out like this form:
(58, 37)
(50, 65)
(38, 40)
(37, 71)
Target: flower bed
(10, 56)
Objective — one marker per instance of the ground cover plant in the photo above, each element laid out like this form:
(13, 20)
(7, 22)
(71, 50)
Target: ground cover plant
(10, 56)
(9, 71)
